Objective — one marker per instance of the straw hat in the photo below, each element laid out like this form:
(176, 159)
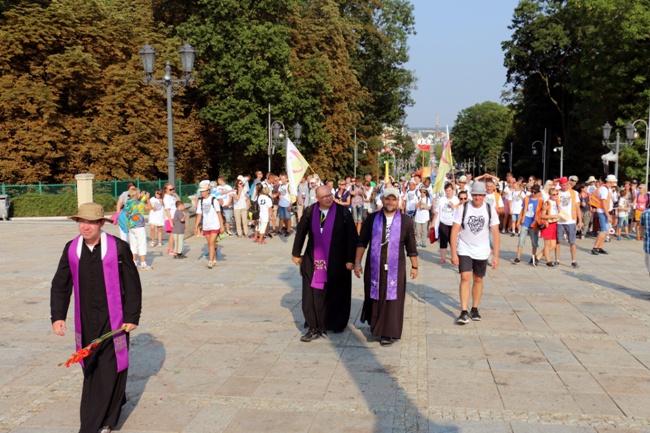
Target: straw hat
(90, 212)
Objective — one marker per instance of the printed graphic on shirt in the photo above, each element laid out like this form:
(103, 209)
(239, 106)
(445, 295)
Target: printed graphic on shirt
(530, 212)
(206, 207)
(476, 223)
(565, 200)
(489, 199)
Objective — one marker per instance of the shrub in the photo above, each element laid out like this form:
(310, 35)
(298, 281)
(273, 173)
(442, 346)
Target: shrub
(62, 204)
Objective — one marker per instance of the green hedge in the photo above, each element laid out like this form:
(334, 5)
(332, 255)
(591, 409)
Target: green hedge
(63, 204)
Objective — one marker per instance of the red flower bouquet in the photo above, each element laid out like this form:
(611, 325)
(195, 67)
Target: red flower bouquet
(85, 351)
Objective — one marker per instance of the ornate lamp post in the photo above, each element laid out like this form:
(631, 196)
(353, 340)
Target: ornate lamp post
(543, 155)
(277, 134)
(171, 86)
(356, 146)
(647, 142)
(616, 145)
(561, 150)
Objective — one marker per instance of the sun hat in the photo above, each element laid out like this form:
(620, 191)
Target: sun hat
(204, 185)
(611, 178)
(391, 191)
(591, 179)
(573, 178)
(462, 179)
(478, 188)
(90, 212)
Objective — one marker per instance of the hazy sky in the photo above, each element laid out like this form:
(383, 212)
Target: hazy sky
(456, 55)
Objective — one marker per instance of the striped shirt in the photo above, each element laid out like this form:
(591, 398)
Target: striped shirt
(645, 222)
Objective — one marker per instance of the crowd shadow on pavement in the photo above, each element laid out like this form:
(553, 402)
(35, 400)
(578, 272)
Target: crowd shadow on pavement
(588, 278)
(146, 357)
(375, 380)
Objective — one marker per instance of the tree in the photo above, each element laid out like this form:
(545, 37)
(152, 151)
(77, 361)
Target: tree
(481, 131)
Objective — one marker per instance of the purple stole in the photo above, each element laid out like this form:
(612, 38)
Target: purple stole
(322, 242)
(113, 295)
(393, 256)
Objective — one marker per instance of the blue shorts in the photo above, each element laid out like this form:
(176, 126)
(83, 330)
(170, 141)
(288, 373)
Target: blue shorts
(604, 222)
(534, 236)
(283, 213)
(570, 230)
(227, 215)
(622, 222)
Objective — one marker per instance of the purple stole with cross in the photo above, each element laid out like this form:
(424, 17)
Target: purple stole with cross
(322, 242)
(113, 295)
(392, 259)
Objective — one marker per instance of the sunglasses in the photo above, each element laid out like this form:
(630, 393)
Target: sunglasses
(462, 198)
(170, 189)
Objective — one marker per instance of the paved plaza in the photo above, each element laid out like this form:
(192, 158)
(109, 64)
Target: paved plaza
(558, 350)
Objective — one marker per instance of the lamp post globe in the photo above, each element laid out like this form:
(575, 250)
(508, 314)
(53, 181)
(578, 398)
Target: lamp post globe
(188, 54)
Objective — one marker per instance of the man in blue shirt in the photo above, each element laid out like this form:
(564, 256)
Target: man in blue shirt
(527, 225)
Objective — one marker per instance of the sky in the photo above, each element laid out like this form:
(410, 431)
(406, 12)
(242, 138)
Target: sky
(457, 57)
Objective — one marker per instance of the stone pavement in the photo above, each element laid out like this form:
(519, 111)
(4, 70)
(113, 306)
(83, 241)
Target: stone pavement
(218, 350)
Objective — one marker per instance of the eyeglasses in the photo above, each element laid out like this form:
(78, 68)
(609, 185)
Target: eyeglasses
(170, 189)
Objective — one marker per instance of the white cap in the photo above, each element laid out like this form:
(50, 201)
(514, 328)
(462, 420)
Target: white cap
(611, 178)
(204, 185)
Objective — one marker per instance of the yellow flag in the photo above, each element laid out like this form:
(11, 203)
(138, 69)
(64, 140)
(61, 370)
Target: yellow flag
(296, 167)
(444, 167)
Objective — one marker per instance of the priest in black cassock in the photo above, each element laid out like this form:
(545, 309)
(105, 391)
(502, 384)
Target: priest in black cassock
(326, 265)
(98, 270)
(391, 237)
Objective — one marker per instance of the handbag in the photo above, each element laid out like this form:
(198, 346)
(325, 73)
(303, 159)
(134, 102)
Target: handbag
(168, 226)
(432, 235)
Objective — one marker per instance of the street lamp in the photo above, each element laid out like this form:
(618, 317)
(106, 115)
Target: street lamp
(171, 86)
(297, 132)
(647, 142)
(276, 133)
(356, 146)
(561, 150)
(543, 155)
(629, 134)
(503, 159)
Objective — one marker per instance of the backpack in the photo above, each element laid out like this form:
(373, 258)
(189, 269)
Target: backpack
(254, 210)
(462, 222)
(211, 201)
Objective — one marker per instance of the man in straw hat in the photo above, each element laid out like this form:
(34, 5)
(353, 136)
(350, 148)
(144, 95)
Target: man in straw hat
(98, 269)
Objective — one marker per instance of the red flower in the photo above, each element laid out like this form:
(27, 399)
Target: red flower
(85, 351)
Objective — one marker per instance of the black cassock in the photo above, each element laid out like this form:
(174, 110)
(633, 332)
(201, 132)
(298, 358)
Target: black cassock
(386, 318)
(328, 308)
(104, 388)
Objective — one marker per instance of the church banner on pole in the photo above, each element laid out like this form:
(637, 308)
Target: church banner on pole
(296, 167)
(445, 166)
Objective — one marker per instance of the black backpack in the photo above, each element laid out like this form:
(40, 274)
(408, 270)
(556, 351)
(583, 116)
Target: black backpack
(254, 210)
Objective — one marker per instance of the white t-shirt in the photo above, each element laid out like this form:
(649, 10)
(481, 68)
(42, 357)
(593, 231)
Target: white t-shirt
(446, 209)
(491, 198)
(474, 239)
(157, 213)
(169, 202)
(423, 215)
(507, 193)
(285, 200)
(225, 197)
(517, 203)
(241, 203)
(566, 204)
(208, 208)
(411, 197)
(603, 193)
(265, 203)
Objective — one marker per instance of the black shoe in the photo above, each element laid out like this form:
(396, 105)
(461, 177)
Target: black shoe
(594, 251)
(286, 235)
(312, 334)
(574, 265)
(176, 256)
(463, 319)
(473, 314)
(602, 251)
(515, 261)
(385, 341)
(550, 265)
(557, 263)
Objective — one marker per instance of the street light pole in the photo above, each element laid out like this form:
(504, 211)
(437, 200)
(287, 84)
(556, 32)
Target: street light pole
(561, 149)
(629, 134)
(356, 144)
(647, 143)
(171, 87)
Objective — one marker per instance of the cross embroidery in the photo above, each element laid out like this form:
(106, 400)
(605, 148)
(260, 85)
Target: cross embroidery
(120, 342)
(320, 265)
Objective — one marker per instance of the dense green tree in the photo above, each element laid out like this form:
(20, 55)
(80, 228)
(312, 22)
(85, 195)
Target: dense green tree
(482, 131)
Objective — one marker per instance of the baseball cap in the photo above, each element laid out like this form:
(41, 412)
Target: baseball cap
(391, 191)
(535, 188)
(563, 180)
(478, 188)
(573, 178)
(462, 179)
(635, 181)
